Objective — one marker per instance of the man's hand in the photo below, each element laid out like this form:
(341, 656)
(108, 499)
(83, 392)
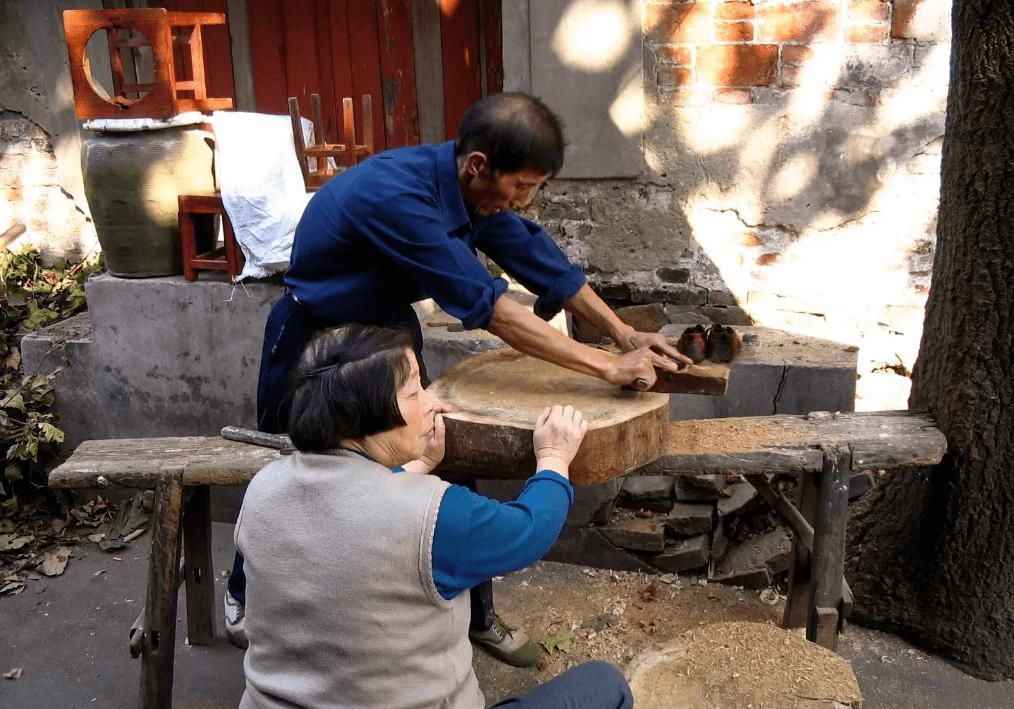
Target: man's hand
(435, 447)
(637, 368)
(557, 438)
(634, 340)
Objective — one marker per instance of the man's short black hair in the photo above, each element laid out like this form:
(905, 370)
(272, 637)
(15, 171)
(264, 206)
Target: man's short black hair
(346, 385)
(515, 131)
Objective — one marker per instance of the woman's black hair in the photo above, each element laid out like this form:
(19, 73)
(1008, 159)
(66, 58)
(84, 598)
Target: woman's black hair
(346, 385)
(515, 131)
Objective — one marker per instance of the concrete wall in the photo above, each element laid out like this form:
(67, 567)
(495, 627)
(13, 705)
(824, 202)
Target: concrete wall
(40, 142)
(792, 155)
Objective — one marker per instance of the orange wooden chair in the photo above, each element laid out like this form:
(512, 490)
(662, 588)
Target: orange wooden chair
(344, 154)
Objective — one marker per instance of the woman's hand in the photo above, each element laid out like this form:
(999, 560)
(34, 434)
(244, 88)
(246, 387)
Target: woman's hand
(436, 446)
(557, 438)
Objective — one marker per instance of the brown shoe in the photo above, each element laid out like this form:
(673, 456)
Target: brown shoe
(693, 343)
(724, 343)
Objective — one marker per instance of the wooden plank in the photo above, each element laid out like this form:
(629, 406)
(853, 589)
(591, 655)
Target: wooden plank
(139, 462)
(761, 444)
(198, 571)
(267, 53)
(278, 441)
(341, 58)
(491, 43)
(828, 559)
(158, 646)
(397, 71)
(799, 599)
(826, 627)
(327, 124)
(459, 37)
(364, 59)
(302, 75)
(429, 72)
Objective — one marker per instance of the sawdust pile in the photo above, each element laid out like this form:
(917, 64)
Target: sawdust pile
(742, 664)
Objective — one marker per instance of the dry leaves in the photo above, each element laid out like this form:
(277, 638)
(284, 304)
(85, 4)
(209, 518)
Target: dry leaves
(55, 561)
(14, 673)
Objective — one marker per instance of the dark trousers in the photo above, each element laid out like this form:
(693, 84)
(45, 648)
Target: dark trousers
(591, 685)
(289, 328)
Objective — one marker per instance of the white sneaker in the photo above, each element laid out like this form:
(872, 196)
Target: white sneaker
(235, 615)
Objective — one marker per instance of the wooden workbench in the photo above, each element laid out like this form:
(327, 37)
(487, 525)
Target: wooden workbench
(821, 448)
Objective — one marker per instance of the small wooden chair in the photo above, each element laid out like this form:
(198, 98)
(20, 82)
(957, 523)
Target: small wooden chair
(344, 154)
(228, 257)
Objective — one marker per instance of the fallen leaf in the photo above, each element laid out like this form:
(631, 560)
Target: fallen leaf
(13, 588)
(12, 542)
(55, 561)
(96, 537)
(14, 673)
(560, 641)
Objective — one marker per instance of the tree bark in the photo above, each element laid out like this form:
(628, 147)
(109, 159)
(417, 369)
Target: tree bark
(932, 552)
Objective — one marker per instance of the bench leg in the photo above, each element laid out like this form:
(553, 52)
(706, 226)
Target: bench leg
(829, 547)
(158, 645)
(800, 595)
(198, 572)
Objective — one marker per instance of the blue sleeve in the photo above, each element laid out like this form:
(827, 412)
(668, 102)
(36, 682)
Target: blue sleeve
(523, 249)
(409, 231)
(477, 538)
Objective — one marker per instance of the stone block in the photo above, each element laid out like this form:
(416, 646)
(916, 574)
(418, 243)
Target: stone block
(719, 543)
(859, 484)
(737, 64)
(684, 555)
(743, 494)
(586, 546)
(726, 315)
(687, 518)
(636, 533)
(706, 483)
(650, 317)
(756, 559)
(798, 22)
(593, 503)
(687, 492)
(660, 505)
(640, 488)
(808, 388)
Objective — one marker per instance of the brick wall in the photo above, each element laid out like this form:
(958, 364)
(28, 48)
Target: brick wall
(792, 153)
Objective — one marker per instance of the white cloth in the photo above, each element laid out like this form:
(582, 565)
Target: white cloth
(261, 184)
(131, 125)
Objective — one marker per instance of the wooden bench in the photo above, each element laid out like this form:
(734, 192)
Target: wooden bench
(821, 448)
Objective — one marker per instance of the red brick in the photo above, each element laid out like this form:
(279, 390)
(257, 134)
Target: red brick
(737, 64)
(920, 19)
(734, 31)
(867, 34)
(795, 55)
(690, 23)
(735, 11)
(868, 11)
(811, 21)
(680, 56)
(674, 77)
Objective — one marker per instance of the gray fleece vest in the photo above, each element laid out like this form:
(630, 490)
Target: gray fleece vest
(341, 608)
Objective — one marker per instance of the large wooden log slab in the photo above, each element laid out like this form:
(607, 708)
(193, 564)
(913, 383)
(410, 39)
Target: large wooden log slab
(500, 394)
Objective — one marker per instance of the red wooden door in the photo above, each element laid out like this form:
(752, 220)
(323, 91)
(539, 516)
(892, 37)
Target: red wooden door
(340, 48)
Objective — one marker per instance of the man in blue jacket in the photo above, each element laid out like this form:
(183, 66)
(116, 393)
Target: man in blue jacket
(405, 225)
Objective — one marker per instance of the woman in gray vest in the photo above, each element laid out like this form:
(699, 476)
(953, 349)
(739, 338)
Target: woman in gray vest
(358, 562)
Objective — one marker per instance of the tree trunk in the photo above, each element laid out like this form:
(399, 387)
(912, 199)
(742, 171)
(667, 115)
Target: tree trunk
(932, 552)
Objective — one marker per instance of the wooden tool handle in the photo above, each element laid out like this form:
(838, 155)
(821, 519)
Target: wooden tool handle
(258, 438)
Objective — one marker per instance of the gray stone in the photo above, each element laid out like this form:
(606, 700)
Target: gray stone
(726, 315)
(760, 556)
(673, 275)
(688, 518)
(719, 543)
(743, 494)
(685, 314)
(592, 503)
(636, 534)
(650, 317)
(660, 505)
(638, 488)
(753, 578)
(705, 483)
(687, 492)
(686, 554)
(586, 546)
(859, 484)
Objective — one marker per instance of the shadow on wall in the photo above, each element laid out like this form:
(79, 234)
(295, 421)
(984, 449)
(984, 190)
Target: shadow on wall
(792, 163)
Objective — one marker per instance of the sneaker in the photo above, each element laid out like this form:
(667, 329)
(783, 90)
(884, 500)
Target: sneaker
(506, 644)
(235, 615)
(723, 343)
(693, 343)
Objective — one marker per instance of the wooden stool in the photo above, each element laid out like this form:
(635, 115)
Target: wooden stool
(227, 257)
(344, 154)
(162, 31)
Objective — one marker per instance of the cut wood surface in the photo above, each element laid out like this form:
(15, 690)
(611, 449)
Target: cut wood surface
(791, 444)
(500, 394)
(140, 462)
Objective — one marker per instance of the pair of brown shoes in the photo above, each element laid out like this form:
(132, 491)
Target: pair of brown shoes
(719, 343)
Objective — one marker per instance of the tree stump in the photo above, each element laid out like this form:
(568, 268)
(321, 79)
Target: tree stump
(741, 664)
